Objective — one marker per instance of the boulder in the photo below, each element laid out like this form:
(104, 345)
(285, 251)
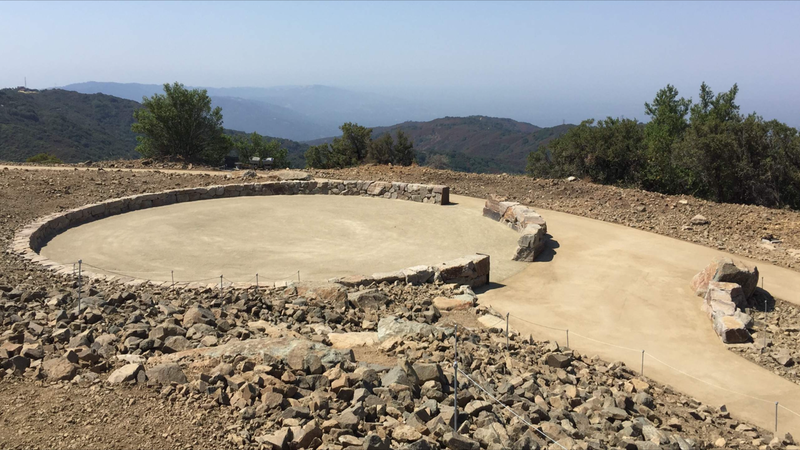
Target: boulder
(731, 330)
(391, 326)
(471, 270)
(530, 243)
(450, 304)
(352, 340)
(166, 374)
(726, 270)
(723, 298)
(126, 373)
(418, 274)
(196, 314)
(59, 369)
(495, 207)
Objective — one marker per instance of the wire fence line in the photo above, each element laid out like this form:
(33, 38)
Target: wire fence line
(520, 417)
(654, 358)
(138, 275)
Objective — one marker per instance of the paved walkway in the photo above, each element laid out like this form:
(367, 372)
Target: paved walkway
(630, 288)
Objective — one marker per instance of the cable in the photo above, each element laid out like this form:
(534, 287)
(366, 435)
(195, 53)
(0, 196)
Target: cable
(538, 324)
(607, 343)
(511, 410)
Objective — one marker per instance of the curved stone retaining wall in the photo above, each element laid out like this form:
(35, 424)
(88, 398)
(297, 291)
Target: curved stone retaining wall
(531, 226)
(29, 241)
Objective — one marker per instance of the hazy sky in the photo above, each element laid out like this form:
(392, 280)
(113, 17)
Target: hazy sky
(538, 62)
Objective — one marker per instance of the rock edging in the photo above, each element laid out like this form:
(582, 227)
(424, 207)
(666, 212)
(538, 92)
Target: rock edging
(531, 226)
(29, 240)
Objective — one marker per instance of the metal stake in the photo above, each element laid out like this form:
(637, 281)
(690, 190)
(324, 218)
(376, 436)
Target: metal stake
(776, 417)
(455, 383)
(765, 319)
(80, 285)
(220, 285)
(567, 338)
(642, 371)
(298, 276)
(507, 314)
(256, 281)
(173, 277)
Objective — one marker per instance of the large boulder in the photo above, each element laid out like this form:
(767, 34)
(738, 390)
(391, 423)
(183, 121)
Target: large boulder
(353, 339)
(472, 270)
(166, 374)
(495, 207)
(391, 326)
(727, 270)
(196, 314)
(723, 298)
(531, 243)
(731, 329)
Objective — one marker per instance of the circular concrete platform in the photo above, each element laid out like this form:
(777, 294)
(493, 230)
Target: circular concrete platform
(322, 237)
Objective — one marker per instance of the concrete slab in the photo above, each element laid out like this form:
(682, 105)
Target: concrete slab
(321, 236)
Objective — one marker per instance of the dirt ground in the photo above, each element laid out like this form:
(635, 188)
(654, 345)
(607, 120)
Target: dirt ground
(40, 416)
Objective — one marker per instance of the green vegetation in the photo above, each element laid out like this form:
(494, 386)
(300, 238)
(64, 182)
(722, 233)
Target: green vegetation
(70, 126)
(44, 158)
(181, 124)
(706, 149)
(254, 144)
(356, 146)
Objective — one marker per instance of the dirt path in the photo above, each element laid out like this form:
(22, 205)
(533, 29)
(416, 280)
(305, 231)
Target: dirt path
(630, 288)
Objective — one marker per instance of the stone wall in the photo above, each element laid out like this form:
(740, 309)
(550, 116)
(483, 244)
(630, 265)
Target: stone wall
(472, 270)
(530, 225)
(29, 241)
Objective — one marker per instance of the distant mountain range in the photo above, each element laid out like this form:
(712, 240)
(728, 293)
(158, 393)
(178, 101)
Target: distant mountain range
(477, 144)
(293, 112)
(76, 127)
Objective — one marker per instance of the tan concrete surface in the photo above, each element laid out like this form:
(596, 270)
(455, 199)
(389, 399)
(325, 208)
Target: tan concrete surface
(321, 236)
(630, 288)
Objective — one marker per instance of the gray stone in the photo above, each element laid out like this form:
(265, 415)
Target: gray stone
(166, 374)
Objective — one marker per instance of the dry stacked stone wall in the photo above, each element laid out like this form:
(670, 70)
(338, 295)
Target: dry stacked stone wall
(470, 270)
(530, 225)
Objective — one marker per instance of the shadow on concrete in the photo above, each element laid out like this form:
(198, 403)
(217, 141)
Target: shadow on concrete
(549, 251)
(488, 287)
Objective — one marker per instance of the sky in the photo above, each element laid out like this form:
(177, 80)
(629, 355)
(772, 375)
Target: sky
(543, 63)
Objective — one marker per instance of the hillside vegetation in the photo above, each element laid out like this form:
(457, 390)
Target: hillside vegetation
(476, 144)
(75, 127)
(706, 148)
(70, 126)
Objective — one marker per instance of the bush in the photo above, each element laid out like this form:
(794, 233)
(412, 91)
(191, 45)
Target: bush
(44, 158)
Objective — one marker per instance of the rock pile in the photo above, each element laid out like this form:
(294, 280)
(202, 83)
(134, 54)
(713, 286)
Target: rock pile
(330, 367)
(776, 338)
(530, 225)
(727, 288)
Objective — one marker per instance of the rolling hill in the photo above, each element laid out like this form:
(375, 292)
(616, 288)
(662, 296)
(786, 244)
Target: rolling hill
(76, 127)
(477, 144)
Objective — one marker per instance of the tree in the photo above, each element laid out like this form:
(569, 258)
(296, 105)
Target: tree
(667, 125)
(319, 156)
(180, 123)
(385, 150)
(254, 145)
